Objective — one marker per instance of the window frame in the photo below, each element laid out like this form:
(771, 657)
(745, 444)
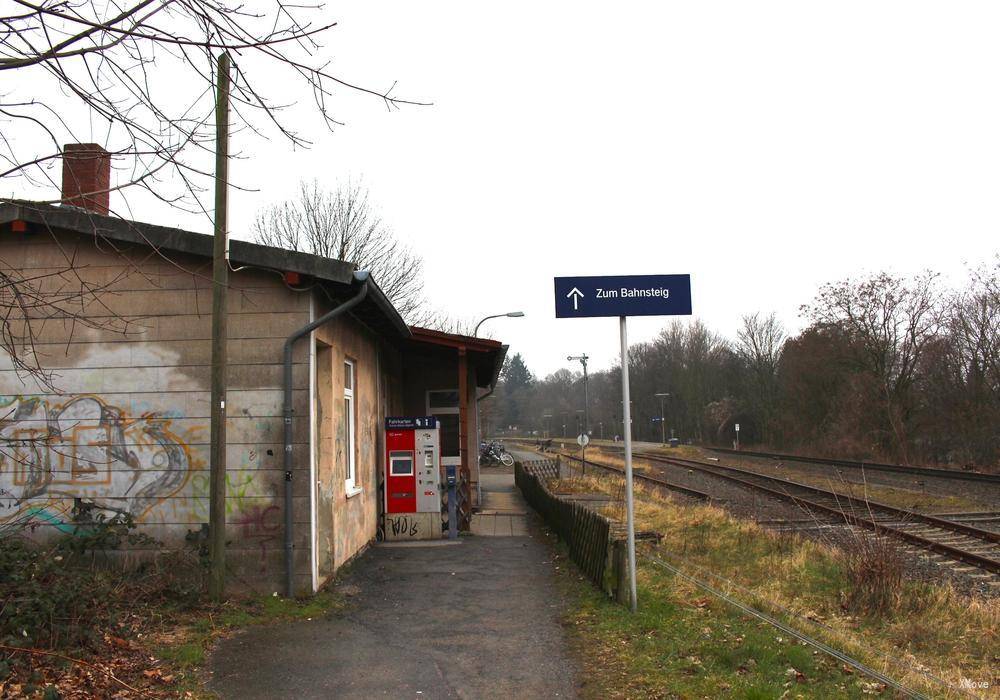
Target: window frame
(455, 410)
(351, 485)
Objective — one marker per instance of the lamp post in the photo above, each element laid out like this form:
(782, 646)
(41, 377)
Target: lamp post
(479, 433)
(582, 359)
(663, 423)
(509, 314)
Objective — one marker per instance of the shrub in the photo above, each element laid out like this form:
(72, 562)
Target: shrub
(874, 567)
(62, 593)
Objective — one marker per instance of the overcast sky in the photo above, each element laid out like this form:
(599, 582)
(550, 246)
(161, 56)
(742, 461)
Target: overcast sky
(762, 147)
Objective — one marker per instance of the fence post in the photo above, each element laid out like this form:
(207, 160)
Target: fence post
(559, 466)
(619, 572)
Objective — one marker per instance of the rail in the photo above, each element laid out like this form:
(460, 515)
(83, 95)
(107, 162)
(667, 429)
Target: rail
(779, 488)
(878, 466)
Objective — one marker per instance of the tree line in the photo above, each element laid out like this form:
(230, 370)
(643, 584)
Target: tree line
(887, 367)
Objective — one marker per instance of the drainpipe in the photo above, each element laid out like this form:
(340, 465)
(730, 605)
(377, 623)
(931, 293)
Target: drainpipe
(361, 279)
(479, 439)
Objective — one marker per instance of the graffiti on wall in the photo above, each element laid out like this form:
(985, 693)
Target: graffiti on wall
(85, 448)
(261, 526)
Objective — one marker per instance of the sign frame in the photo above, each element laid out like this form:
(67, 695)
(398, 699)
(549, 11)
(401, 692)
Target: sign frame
(608, 296)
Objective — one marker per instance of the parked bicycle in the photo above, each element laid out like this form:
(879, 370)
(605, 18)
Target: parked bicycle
(493, 453)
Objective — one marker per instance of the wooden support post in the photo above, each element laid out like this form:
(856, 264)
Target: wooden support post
(463, 423)
(619, 568)
(220, 281)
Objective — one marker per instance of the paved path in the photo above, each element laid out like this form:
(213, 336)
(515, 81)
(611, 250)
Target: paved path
(504, 512)
(476, 619)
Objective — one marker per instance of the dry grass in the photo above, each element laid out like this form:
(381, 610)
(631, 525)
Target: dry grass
(829, 592)
(874, 567)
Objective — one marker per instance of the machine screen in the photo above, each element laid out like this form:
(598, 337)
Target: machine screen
(401, 463)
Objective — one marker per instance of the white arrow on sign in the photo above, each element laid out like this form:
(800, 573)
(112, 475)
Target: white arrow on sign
(575, 294)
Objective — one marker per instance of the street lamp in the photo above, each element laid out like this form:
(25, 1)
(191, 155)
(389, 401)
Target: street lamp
(663, 430)
(509, 314)
(479, 432)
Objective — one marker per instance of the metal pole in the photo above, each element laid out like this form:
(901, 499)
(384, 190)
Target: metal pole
(220, 281)
(627, 413)
(663, 424)
(586, 413)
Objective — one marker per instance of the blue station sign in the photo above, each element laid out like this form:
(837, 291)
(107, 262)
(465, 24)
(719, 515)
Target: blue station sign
(410, 422)
(626, 295)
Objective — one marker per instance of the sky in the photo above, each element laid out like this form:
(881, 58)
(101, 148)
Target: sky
(764, 148)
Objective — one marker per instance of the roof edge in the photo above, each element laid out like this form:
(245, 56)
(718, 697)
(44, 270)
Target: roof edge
(198, 244)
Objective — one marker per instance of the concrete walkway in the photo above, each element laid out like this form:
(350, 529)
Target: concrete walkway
(475, 619)
(504, 512)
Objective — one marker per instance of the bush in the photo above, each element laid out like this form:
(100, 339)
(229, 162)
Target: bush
(874, 567)
(65, 593)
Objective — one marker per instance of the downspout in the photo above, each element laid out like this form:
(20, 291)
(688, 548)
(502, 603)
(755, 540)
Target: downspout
(361, 279)
(479, 440)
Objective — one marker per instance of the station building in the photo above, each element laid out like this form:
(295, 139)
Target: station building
(119, 319)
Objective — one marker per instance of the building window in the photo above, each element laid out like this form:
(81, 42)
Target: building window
(444, 405)
(351, 482)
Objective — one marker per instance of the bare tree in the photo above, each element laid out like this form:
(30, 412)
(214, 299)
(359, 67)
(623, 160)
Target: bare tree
(139, 78)
(759, 340)
(968, 369)
(142, 74)
(890, 322)
(343, 224)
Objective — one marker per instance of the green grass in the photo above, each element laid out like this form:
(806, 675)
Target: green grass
(683, 644)
(188, 643)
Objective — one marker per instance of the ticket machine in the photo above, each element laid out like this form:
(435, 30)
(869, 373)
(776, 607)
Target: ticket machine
(412, 465)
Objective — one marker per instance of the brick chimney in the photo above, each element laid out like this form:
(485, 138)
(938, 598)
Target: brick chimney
(86, 177)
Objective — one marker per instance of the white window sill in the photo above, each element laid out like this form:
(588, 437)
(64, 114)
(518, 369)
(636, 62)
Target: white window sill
(352, 491)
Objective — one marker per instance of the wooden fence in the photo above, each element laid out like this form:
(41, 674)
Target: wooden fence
(586, 534)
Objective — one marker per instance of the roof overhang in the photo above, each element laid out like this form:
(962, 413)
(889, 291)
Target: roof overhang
(485, 356)
(336, 275)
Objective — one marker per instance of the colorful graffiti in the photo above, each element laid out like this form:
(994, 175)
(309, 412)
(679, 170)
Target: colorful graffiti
(88, 449)
(239, 492)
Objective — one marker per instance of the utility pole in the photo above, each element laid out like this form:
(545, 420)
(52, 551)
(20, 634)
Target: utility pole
(586, 409)
(220, 281)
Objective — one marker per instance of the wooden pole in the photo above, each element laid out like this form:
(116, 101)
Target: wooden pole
(465, 467)
(220, 281)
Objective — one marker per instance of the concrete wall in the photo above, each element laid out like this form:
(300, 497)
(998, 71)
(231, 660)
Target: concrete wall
(346, 521)
(125, 424)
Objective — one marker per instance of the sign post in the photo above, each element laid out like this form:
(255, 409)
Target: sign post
(624, 296)
(737, 436)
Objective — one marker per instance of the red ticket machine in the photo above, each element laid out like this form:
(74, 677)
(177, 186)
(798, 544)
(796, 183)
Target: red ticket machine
(412, 465)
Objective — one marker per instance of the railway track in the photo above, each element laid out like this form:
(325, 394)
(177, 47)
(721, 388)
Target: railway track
(652, 480)
(874, 466)
(954, 540)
